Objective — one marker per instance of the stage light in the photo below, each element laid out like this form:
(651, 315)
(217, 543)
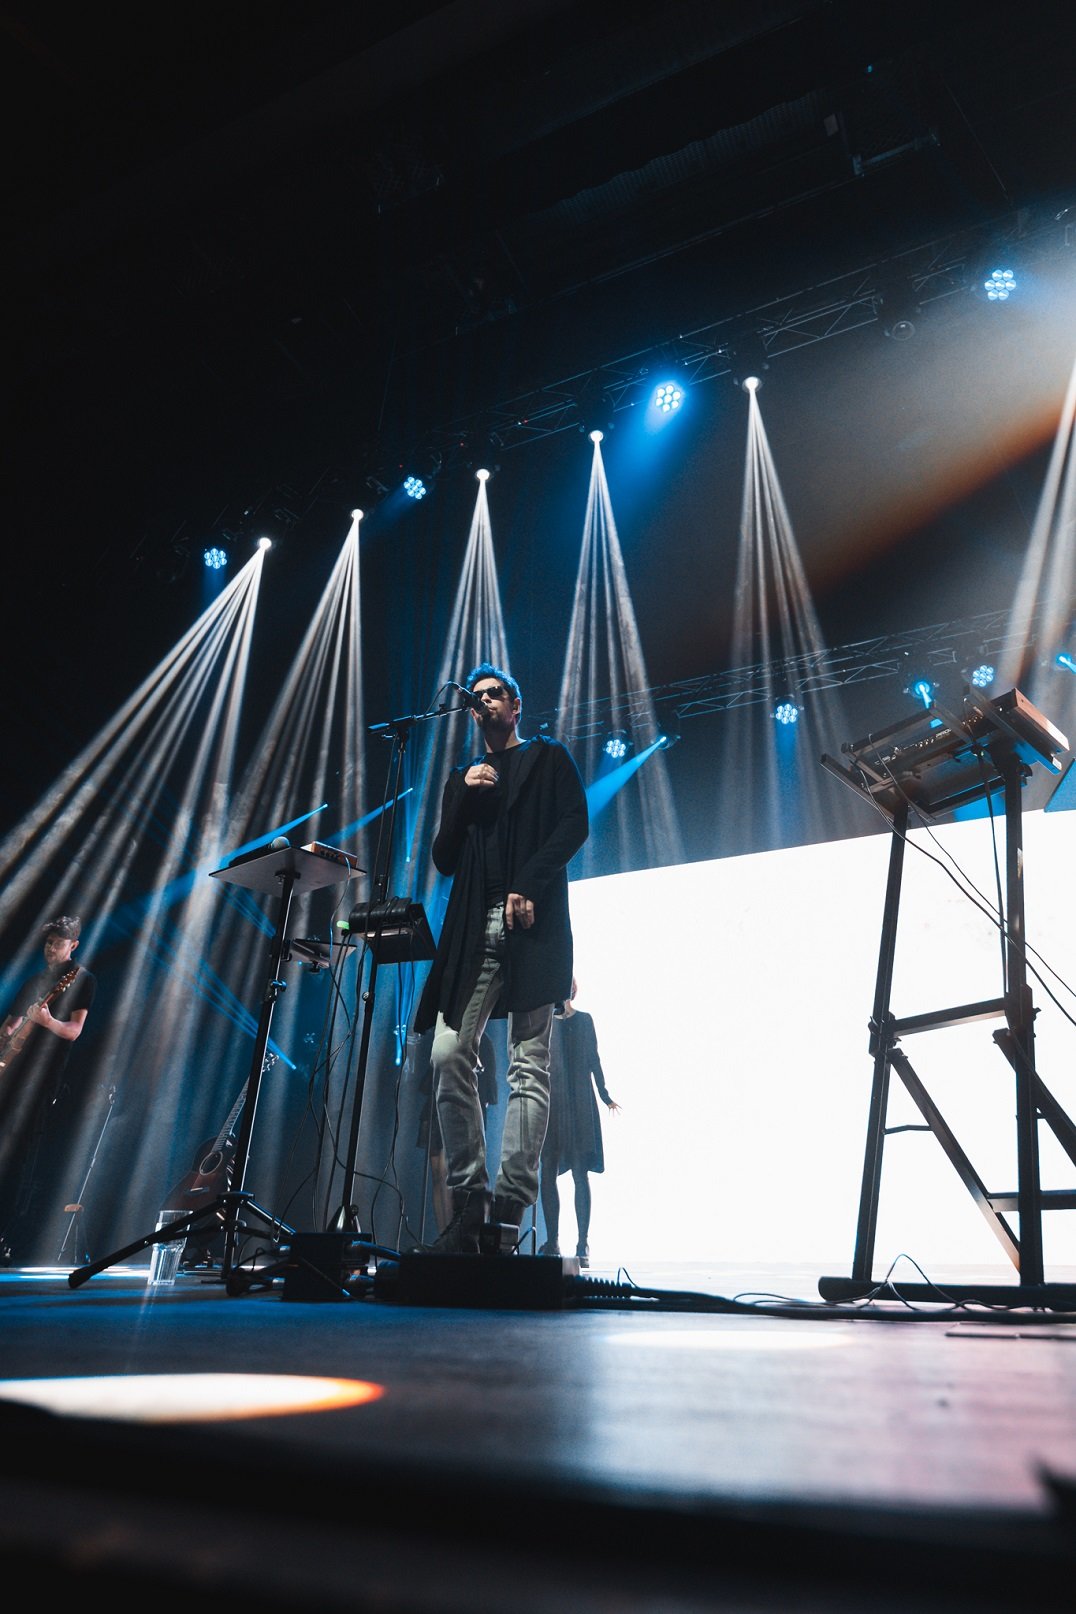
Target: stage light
(999, 285)
(482, 475)
(1065, 660)
(668, 397)
(786, 712)
(980, 677)
(617, 745)
(897, 306)
(596, 436)
(265, 543)
(669, 733)
(749, 361)
(922, 689)
(414, 487)
(214, 558)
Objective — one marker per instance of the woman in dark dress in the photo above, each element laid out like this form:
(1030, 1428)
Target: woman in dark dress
(573, 1139)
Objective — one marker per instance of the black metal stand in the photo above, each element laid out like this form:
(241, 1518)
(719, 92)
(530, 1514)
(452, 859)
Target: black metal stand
(993, 756)
(394, 931)
(75, 1211)
(235, 1211)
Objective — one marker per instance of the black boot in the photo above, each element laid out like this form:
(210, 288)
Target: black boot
(506, 1215)
(460, 1236)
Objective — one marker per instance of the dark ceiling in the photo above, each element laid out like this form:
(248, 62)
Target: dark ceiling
(261, 245)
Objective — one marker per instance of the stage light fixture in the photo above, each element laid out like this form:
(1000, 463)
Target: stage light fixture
(265, 543)
(482, 475)
(749, 361)
(669, 732)
(786, 712)
(980, 676)
(921, 688)
(897, 306)
(414, 487)
(596, 436)
(1063, 659)
(999, 285)
(617, 745)
(668, 397)
(214, 558)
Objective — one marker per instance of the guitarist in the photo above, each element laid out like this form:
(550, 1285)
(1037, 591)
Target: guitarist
(46, 1017)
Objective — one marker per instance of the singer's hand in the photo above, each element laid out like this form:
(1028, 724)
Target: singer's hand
(517, 907)
(481, 776)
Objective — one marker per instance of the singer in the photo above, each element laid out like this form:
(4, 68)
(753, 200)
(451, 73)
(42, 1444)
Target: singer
(511, 821)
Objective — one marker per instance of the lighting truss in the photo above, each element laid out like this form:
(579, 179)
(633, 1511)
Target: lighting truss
(939, 269)
(930, 649)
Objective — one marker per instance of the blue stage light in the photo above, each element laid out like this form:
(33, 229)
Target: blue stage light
(617, 745)
(215, 558)
(668, 396)
(415, 487)
(1065, 660)
(786, 712)
(982, 676)
(999, 285)
(922, 689)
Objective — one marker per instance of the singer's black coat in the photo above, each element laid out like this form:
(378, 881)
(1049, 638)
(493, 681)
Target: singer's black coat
(546, 822)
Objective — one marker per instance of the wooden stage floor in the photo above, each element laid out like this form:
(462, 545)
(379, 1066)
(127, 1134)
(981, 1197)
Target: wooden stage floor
(657, 1446)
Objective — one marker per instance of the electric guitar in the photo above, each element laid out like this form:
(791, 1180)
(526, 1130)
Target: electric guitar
(14, 1042)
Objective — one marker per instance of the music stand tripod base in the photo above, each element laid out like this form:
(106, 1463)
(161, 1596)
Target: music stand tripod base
(274, 871)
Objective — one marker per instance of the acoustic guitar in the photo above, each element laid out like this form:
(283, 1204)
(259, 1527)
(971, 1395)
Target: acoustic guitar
(211, 1173)
(15, 1041)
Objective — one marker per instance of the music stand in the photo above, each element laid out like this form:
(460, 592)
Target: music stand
(934, 762)
(276, 871)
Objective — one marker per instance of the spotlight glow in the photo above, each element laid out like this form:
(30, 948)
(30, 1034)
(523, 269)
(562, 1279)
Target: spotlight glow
(215, 558)
(786, 712)
(751, 383)
(189, 1397)
(265, 543)
(596, 436)
(483, 475)
(982, 676)
(616, 746)
(414, 487)
(1065, 660)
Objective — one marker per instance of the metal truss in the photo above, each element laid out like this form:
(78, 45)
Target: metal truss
(939, 269)
(928, 651)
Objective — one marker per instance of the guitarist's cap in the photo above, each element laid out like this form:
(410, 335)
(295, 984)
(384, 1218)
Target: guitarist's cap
(68, 925)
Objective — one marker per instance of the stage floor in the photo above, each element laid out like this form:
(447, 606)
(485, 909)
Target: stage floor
(653, 1446)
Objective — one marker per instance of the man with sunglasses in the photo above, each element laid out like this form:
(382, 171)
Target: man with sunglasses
(511, 821)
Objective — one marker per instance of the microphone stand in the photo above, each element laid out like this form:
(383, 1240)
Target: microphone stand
(398, 731)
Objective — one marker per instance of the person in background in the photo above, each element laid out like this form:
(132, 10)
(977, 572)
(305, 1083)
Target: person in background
(574, 1138)
(45, 1019)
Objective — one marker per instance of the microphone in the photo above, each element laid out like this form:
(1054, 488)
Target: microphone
(468, 698)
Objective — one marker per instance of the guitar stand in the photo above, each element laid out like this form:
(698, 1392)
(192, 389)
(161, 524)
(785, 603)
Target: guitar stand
(1016, 731)
(236, 1211)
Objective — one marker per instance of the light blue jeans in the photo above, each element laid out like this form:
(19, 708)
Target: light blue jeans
(454, 1057)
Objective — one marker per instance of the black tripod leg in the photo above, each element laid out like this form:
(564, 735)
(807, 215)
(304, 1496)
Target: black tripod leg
(161, 1235)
